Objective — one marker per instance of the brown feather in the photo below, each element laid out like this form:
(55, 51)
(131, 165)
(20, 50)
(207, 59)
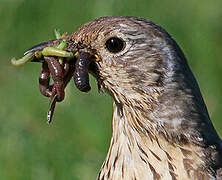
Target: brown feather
(161, 127)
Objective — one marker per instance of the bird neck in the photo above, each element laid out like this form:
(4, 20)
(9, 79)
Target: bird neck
(136, 152)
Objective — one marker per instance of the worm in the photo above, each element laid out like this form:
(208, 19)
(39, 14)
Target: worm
(52, 104)
(67, 75)
(61, 75)
(57, 76)
(81, 75)
(65, 67)
(20, 62)
(44, 79)
(70, 73)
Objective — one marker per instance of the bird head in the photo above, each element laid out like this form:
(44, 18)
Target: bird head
(135, 56)
(144, 69)
(140, 65)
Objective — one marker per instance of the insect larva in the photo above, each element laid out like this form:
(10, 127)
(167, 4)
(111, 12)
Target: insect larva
(81, 74)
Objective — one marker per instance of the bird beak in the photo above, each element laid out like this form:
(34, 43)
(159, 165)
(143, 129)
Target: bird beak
(57, 48)
(41, 46)
(49, 48)
(37, 49)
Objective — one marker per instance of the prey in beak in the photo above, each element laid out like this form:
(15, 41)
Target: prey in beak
(61, 65)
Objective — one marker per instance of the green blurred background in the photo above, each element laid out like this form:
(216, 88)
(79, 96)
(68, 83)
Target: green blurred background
(75, 144)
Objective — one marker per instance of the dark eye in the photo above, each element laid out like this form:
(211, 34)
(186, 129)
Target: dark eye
(115, 44)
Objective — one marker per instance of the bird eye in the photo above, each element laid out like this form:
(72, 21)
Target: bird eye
(115, 44)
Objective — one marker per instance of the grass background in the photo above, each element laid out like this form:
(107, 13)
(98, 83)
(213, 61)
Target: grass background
(75, 144)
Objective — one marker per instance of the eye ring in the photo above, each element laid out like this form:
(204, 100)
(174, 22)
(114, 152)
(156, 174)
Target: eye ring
(115, 45)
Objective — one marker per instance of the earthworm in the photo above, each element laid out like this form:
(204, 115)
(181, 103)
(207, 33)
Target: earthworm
(44, 79)
(70, 72)
(81, 75)
(53, 90)
(65, 67)
(61, 65)
(57, 76)
(52, 105)
(61, 71)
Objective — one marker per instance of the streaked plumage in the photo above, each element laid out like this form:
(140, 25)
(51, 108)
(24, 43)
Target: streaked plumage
(161, 127)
